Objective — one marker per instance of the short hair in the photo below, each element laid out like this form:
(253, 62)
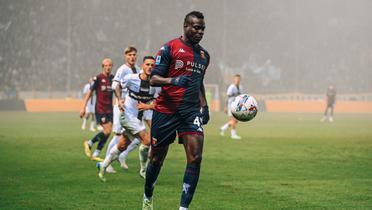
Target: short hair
(148, 57)
(196, 14)
(106, 60)
(130, 49)
(237, 75)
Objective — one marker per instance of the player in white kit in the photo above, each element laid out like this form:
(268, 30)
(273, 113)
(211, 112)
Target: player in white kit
(89, 109)
(232, 91)
(130, 67)
(138, 99)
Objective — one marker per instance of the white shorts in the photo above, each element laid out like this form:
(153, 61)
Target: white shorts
(131, 124)
(116, 127)
(90, 109)
(147, 114)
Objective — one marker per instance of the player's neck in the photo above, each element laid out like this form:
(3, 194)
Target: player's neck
(187, 41)
(130, 65)
(143, 76)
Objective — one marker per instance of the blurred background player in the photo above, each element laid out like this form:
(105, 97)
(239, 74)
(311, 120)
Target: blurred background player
(181, 107)
(102, 87)
(331, 101)
(89, 109)
(129, 67)
(232, 91)
(138, 99)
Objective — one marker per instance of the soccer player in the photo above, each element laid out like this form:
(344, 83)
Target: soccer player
(102, 87)
(129, 67)
(232, 91)
(138, 99)
(89, 109)
(181, 107)
(147, 117)
(331, 101)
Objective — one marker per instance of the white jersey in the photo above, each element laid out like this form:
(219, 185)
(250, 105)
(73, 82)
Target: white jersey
(122, 71)
(138, 91)
(119, 76)
(232, 91)
(92, 101)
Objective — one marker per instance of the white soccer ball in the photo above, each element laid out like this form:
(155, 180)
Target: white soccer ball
(244, 107)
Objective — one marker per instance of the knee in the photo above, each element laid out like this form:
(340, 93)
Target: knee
(107, 133)
(122, 145)
(156, 161)
(195, 159)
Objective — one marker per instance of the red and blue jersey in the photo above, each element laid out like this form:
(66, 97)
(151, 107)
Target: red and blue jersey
(174, 59)
(104, 93)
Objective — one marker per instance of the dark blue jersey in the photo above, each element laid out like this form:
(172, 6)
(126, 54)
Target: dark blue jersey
(174, 59)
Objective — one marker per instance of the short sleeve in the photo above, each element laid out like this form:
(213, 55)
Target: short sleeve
(118, 75)
(230, 91)
(162, 62)
(124, 82)
(94, 84)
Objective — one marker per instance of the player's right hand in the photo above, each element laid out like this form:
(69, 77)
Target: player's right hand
(181, 81)
(82, 113)
(121, 105)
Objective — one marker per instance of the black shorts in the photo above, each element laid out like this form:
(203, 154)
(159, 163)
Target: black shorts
(103, 118)
(165, 127)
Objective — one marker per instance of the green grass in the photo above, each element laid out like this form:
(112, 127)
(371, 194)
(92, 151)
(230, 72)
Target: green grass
(285, 161)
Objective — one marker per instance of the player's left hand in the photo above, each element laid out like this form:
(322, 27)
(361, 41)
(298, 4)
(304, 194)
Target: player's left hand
(142, 106)
(181, 81)
(205, 115)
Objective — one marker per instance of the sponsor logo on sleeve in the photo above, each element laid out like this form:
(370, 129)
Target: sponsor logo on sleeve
(158, 59)
(202, 55)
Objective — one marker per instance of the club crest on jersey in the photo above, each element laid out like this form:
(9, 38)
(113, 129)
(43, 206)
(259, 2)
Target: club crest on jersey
(181, 50)
(178, 64)
(157, 61)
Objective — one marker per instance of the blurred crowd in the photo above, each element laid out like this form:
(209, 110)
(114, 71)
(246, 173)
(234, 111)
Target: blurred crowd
(281, 46)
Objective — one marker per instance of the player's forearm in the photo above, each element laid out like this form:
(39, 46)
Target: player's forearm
(157, 80)
(117, 92)
(86, 98)
(202, 98)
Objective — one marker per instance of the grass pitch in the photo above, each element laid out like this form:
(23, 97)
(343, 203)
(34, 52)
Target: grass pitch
(284, 161)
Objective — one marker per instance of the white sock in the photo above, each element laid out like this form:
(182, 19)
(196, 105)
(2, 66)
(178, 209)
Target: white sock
(113, 154)
(133, 145)
(143, 156)
(92, 124)
(224, 127)
(233, 132)
(84, 123)
(114, 141)
(90, 143)
(96, 153)
(183, 208)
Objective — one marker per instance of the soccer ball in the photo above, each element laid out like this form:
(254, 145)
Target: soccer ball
(244, 107)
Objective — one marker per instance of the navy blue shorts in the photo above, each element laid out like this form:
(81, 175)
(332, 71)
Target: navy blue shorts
(103, 118)
(165, 127)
